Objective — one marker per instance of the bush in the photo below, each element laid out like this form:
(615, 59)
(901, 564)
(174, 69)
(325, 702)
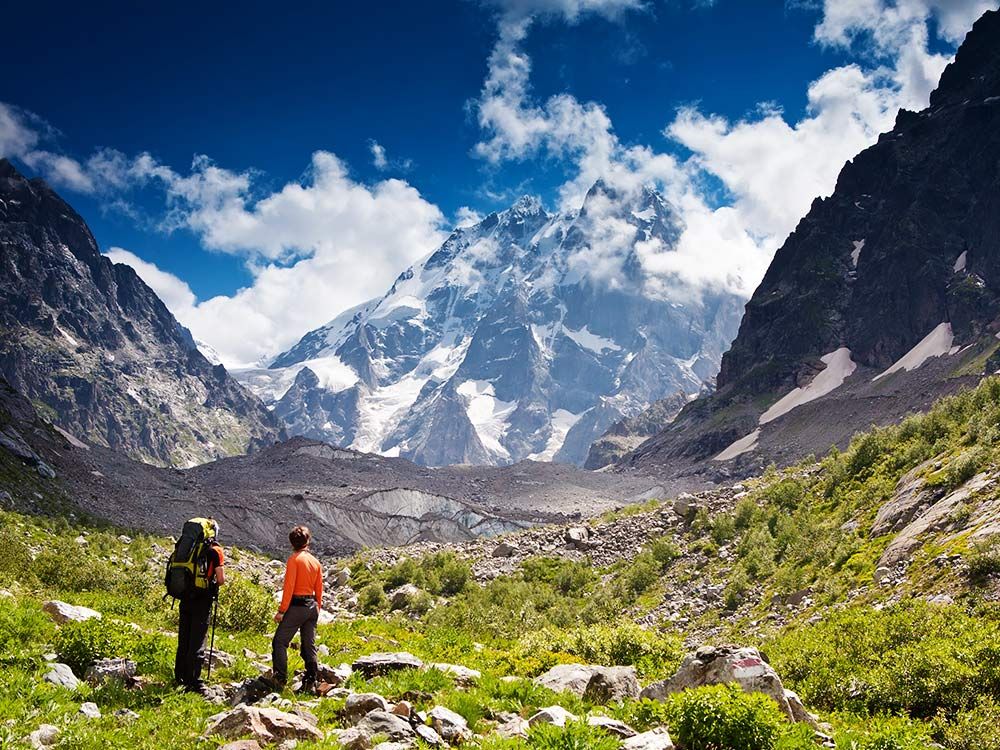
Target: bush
(245, 606)
(723, 716)
(664, 550)
(576, 735)
(15, 558)
(976, 729)
(24, 631)
(569, 577)
(80, 644)
(372, 599)
(640, 575)
(67, 566)
(984, 562)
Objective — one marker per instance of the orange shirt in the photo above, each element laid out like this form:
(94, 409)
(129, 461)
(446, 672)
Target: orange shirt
(303, 577)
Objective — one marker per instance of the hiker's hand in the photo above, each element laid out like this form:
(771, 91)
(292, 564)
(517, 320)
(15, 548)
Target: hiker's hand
(278, 616)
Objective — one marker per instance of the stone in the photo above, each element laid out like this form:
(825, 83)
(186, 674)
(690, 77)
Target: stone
(126, 714)
(684, 503)
(394, 746)
(62, 675)
(90, 710)
(105, 670)
(46, 735)
(335, 676)
(578, 537)
(402, 597)
(711, 665)
(241, 745)
(512, 725)
(62, 612)
(463, 676)
(654, 739)
(555, 715)
(799, 712)
(428, 735)
(264, 724)
(377, 664)
(343, 577)
(354, 738)
(221, 658)
(506, 549)
(612, 726)
(882, 575)
(395, 728)
(404, 709)
(359, 705)
(452, 727)
(595, 683)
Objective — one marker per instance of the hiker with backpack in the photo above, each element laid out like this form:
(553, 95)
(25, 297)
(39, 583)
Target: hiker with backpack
(195, 571)
(301, 600)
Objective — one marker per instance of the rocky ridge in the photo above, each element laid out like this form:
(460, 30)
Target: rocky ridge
(96, 350)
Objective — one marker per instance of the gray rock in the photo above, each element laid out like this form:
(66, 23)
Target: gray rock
(359, 705)
(62, 612)
(393, 727)
(512, 725)
(595, 683)
(104, 670)
(376, 664)
(402, 597)
(264, 724)
(612, 726)
(555, 715)
(90, 710)
(241, 745)
(506, 549)
(684, 503)
(655, 739)
(45, 736)
(450, 725)
(62, 675)
(578, 537)
(463, 676)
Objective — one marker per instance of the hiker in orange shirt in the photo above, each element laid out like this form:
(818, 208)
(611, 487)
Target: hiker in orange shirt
(299, 610)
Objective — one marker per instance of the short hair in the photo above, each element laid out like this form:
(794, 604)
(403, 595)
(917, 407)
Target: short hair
(299, 537)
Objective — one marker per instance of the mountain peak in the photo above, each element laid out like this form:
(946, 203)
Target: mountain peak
(975, 71)
(528, 205)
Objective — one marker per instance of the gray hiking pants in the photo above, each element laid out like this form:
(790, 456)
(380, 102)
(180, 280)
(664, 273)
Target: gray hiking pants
(300, 618)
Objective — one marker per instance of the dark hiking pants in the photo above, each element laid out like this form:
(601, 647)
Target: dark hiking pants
(300, 618)
(194, 617)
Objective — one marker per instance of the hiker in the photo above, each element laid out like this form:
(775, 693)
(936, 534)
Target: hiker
(194, 573)
(299, 610)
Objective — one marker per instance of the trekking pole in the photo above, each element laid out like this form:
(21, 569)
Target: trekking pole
(211, 648)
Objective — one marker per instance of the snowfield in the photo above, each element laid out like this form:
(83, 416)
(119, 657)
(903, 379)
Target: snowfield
(935, 344)
(839, 367)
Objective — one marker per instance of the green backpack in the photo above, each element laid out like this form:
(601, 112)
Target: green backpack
(187, 567)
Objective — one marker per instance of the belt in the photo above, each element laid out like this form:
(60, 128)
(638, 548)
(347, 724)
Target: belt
(302, 601)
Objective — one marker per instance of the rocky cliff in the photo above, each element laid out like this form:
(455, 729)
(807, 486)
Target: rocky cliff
(885, 296)
(98, 353)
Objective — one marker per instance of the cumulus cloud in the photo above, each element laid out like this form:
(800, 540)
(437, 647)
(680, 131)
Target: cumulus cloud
(315, 247)
(467, 217)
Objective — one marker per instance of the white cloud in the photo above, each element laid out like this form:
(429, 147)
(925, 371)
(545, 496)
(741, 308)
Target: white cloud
(378, 155)
(315, 248)
(467, 217)
(175, 293)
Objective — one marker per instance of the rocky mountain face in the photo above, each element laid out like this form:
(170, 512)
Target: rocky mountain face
(886, 295)
(523, 337)
(629, 433)
(97, 352)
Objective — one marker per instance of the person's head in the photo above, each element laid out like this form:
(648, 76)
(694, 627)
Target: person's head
(214, 528)
(299, 537)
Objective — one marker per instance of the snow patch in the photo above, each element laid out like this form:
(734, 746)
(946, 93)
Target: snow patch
(72, 341)
(591, 341)
(487, 413)
(739, 447)
(645, 215)
(380, 410)
(935, 344)
(859, 245)
(272, 385)
(839, 367)
(562, 423)
(960, 262)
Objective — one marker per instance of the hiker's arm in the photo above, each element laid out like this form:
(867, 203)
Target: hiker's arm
(220, 574)
(286, 594)
(319, 589)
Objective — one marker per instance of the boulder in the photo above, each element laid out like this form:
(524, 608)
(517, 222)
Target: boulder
(90, 710)
(555, 715)
(402, 597)
(463, 676)
(452, 727)
(428, 735)
(221, 658)
(578, 537)
(595, 683)
(104, 670)
(612, 726)
(685, 504)
(654, 739)
(506, 549)
(343, 577)
(354, 738)
(393, 727)
(377, 664)
(711, 665)
(335, 676)
(359, 705)
(45, 736)
(512, 725)
(62, 675)
(264, 724)
(62, 612)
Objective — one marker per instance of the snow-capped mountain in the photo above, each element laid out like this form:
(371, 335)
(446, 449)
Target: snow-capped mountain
(522, 337)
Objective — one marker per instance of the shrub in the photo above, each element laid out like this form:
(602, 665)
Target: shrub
(80, 644)
(569, 577)
(640, 575)
(664, 551)
(245, 606)
(24, 631)
(723, 528)
(975, 729)
(723, 716)
(446, 574)
(15, 558)
(984, 562)
(67, 566)
(576, 735)
(372, 599)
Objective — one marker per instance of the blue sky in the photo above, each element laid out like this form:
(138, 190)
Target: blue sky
(259, 89)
